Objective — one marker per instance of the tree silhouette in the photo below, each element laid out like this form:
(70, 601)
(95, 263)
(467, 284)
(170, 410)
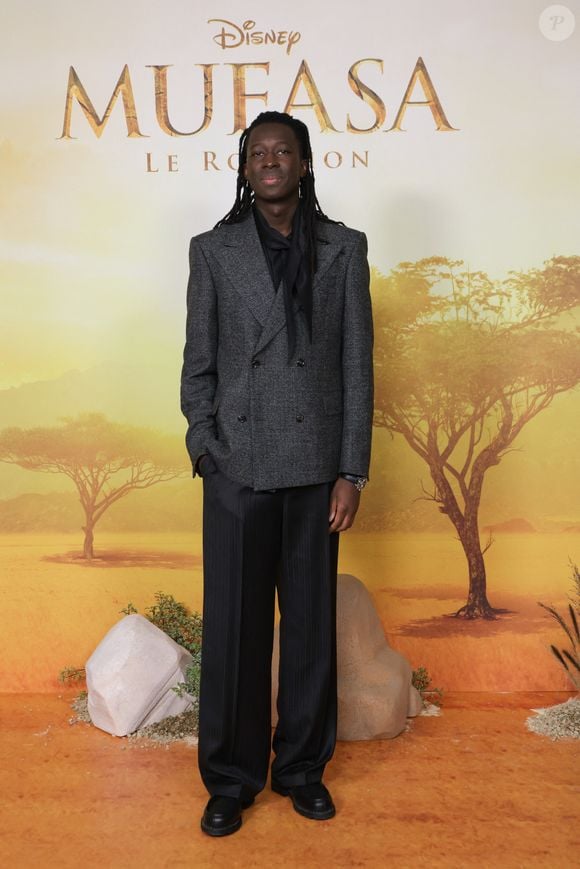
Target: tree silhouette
(104, 459)
(462, 364)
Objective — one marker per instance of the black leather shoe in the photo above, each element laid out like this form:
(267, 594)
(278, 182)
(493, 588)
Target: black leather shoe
(223, 815)
(312, 800)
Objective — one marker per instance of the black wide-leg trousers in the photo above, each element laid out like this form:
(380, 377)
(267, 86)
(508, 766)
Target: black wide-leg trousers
(254, 542)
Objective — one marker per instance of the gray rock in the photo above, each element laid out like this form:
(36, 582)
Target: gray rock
(130, 676)
(375, 694)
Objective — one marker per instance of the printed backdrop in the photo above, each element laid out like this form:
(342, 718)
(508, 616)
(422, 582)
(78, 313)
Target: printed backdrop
(449, 134)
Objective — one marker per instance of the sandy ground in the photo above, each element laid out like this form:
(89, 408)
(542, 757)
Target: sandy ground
(472, 788)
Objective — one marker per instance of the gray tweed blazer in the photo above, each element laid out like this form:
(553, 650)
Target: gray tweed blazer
(267, 422)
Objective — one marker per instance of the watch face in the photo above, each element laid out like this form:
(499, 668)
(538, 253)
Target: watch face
(359, 482)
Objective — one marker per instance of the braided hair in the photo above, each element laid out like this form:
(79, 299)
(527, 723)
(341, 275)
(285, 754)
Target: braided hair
(311, 213)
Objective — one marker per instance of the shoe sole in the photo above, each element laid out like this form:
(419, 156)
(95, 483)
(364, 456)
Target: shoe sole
(221, 831)
(225, 831)
(314, 816)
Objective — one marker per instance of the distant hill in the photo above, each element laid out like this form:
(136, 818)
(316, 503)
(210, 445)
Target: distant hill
(145, 394)
(172, 506)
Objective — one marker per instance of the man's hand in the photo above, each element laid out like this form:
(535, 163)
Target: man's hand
(344, 502)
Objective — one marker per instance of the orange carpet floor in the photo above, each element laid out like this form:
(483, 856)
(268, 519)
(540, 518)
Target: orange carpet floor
(470, 788)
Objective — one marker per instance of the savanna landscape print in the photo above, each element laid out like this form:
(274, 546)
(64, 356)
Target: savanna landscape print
(471, 518)
(456, 557)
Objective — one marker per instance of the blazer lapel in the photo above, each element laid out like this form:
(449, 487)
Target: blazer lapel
(242, 259)
(327, 253)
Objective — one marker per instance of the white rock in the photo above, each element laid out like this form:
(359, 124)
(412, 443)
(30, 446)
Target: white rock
(375, 694)
(130, 676)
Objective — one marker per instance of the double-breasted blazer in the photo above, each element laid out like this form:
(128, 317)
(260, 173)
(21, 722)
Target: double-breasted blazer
(267, 421)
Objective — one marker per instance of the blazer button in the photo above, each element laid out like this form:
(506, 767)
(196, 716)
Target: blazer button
(242, 418)
(300, 363)
(255, 363)
(299, 417)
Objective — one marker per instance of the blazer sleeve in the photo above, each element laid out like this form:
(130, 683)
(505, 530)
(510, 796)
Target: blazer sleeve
(199, 371)
(357, 364)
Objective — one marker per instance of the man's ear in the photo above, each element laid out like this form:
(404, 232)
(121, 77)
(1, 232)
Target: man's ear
(304, 169)
(245, 170)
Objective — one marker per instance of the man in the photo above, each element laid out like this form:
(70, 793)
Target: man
(277, 388)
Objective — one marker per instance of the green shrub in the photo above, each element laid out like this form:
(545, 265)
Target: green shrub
(71, 674)
(421, 680)
(176, 621)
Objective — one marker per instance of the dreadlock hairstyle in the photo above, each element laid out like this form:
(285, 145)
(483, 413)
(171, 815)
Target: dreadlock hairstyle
(311, 210)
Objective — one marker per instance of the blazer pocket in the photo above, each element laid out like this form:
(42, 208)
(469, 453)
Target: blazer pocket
(206, 465)
(333, 404)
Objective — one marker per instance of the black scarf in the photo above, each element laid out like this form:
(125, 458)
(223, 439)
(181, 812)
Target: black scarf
(288, 263)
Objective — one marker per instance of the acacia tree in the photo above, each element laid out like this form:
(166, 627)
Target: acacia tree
(462, 364)
(104, 459)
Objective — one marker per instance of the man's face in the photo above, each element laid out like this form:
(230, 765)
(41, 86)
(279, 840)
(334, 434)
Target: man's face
(273, 165)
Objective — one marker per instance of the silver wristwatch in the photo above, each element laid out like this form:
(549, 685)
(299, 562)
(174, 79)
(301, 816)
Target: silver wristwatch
(359, 482)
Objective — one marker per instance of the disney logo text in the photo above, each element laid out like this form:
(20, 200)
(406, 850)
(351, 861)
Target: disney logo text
(247, 35)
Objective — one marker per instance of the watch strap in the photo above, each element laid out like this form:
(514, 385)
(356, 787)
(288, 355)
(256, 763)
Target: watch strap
(359, 482)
